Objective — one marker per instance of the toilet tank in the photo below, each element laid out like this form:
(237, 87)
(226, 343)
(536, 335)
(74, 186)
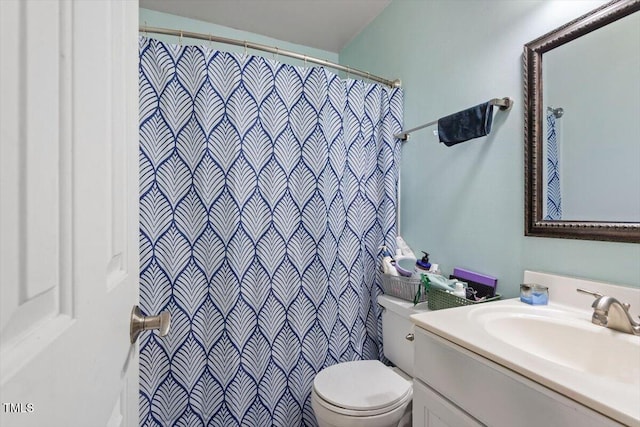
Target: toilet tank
(395, 327)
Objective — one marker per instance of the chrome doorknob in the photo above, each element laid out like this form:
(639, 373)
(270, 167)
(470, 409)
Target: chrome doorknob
(140, 323)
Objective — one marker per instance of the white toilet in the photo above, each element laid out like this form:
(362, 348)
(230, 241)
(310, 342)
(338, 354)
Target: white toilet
(366, 393)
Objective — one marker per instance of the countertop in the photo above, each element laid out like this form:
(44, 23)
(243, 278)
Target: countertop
(617, 398)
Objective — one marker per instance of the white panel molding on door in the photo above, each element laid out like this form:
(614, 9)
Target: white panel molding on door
(69, 213)
(35, 184)
(117, 156)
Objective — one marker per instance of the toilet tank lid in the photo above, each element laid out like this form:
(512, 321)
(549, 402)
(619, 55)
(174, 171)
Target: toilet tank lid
(401, 307)
(361, 385)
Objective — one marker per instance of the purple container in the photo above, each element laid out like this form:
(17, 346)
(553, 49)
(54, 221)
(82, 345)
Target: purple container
(475, 277)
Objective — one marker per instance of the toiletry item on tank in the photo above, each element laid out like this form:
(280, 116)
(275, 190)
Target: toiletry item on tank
(405, 265)
(460, 290)
(388, 267)
(440, 282)
(424, 264)
(483, 284)
(435, 269)
(385, 251)
(484, 279)
(404, 248)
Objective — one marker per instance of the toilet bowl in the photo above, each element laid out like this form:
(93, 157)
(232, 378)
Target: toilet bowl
(362, 393)
(366, 393)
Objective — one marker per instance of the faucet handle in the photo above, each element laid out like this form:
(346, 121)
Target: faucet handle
(594, 294)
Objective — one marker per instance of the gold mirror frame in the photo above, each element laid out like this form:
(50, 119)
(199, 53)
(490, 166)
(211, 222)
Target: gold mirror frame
(535, 225)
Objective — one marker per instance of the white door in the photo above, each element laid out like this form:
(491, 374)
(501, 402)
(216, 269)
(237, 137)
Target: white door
(68, 212)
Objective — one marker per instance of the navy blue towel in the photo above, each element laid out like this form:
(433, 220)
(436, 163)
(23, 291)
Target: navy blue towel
(467, 124)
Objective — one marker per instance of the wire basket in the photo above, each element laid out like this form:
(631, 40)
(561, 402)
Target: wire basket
(402, 287)
(440, 299)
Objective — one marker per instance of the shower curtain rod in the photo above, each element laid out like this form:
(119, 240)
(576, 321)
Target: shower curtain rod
(557, 112)
(275, 50)
(503, 103)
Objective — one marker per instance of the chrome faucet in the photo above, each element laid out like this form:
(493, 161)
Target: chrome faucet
(611, 313)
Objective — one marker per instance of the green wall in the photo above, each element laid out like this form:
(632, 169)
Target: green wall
(152, 18)
(464, 204)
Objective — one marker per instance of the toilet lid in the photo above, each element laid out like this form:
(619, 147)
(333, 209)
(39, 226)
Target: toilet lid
(362, 385)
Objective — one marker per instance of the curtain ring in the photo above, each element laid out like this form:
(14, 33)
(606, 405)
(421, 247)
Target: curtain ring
(210, 44)
(348, 72)
(245, 48)
(305, 60)
(145, 29)
(180, 40)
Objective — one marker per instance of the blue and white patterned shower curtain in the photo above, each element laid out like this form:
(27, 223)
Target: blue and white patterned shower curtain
(265, 192)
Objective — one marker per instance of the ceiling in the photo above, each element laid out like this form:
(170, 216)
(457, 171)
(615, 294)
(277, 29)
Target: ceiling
(323, 24)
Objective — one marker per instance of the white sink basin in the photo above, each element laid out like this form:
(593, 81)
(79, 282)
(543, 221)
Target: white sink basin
(554, 345)
(562, 339)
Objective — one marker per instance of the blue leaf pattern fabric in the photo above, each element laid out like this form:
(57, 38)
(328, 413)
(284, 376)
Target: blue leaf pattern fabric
(265, 192)
(554, 194)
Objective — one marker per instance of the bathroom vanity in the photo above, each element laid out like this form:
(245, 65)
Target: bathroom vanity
(510, 364)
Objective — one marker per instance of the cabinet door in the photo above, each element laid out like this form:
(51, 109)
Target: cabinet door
(479, 386)
(432, 410)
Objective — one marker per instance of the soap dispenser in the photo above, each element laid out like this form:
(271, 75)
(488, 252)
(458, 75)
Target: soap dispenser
(424, 264)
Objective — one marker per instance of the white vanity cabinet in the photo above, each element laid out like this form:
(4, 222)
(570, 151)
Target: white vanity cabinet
(455, 387)
(432, 410)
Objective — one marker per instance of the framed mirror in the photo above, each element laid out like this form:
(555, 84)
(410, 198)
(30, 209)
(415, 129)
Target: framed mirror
(582, 127)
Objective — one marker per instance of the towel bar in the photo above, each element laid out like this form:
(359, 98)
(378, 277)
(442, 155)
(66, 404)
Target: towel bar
(504, 103)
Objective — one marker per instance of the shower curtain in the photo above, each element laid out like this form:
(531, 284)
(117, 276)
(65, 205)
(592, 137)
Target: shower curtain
(265, 193)
(553, 189)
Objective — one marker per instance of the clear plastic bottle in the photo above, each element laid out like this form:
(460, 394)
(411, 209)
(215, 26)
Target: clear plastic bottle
(388, 267)
(460, 290)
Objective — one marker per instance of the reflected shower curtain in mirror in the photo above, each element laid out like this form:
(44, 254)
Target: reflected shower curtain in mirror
(553, 189)
(265, 193)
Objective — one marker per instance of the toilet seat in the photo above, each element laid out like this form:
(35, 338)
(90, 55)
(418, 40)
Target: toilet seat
(361, 388)
(360, 413)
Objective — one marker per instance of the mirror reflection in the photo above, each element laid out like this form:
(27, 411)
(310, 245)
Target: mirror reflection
(591, 126)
